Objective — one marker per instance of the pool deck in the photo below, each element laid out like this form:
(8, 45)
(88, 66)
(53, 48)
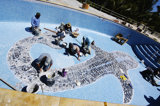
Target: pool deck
(15, 98)
(74, 4)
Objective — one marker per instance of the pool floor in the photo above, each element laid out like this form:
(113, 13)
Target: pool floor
(107, 87)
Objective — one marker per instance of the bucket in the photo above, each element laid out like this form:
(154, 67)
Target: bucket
(32, 88)
(85, 6)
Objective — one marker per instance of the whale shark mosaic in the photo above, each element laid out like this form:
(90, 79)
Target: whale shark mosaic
(116, 63)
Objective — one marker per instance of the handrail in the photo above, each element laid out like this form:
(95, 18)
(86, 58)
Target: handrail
(108, 11)
(117, 15)
(113, 13)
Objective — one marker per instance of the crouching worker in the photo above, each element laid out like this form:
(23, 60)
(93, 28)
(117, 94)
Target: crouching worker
(35, 22)
(150, 75)
(66, 27)
(60, 36)
(73, 50)
(86, 45)
(44, 62)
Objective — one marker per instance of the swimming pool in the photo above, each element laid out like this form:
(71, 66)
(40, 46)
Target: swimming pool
(108, 88)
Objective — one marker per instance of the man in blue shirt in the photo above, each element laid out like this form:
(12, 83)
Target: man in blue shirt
(35, 22)
(86, 44)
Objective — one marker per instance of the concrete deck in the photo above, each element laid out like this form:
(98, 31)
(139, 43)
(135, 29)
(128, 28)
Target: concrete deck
(15, 98)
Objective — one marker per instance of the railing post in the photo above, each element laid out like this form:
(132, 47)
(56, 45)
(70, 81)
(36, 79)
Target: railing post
(101, 8)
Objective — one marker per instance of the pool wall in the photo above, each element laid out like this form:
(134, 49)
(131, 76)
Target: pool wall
(80, 19)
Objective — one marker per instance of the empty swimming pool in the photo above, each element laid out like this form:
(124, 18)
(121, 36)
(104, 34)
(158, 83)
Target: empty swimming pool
(98, 73)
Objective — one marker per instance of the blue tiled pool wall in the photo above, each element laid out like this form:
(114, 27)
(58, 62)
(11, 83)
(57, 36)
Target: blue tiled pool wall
(56, 15)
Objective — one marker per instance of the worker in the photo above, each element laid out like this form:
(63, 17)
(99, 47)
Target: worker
(44, 62)
(35, 22)
(86, 44)
(66, 27)
(73, 50)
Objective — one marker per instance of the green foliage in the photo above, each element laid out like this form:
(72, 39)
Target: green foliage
(138, 10)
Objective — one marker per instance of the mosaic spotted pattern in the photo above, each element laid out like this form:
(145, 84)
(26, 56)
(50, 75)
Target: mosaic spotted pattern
(85, 73)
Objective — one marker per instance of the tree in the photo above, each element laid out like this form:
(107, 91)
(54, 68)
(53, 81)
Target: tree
(139, 10)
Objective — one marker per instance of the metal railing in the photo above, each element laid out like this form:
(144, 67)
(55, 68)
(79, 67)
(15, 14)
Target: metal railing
(110, 12)
(7, 84)
(117, 15)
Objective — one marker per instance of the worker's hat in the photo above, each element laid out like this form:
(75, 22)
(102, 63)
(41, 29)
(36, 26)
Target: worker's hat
(69, 25)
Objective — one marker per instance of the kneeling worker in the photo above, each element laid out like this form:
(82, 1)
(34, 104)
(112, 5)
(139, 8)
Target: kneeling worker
(35, 22)
(86, 45)
(44, 62)
(66, 27)
(60, 36)
(74, 49)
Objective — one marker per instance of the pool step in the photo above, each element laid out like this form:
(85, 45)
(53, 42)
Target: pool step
(148, 53)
